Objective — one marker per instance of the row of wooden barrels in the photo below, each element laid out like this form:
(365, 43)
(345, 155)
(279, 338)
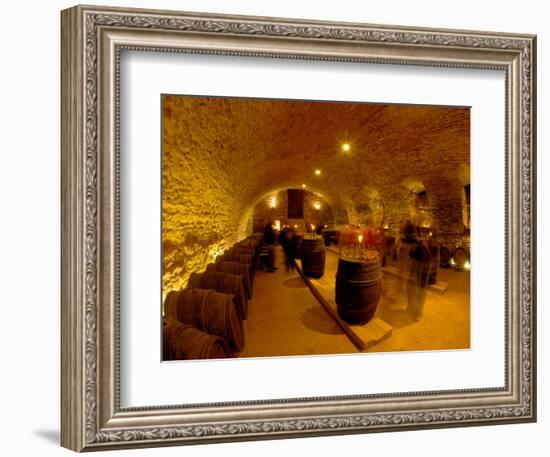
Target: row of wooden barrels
(205, 320)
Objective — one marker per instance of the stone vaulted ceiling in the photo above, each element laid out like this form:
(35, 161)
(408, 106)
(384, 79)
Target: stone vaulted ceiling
(222, 155)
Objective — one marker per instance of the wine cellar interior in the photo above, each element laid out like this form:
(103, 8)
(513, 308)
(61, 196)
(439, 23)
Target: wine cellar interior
(306, 227)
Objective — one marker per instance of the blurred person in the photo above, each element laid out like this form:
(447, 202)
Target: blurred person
(421, 259)
(269, 240)
(284, 240)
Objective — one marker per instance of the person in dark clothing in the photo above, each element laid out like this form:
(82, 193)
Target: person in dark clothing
(269, 242)
(269, 234)
(284, 241)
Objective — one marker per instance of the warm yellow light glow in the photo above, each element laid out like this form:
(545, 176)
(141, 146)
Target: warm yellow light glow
(312, 227)
(386, 227)
(303, 186)
(273, 201)
(325, 225)
(360, 238)
(277, 225)
(346, 147)
(467, 265)
(452, 261)
(317, 205)
(318, 172)
(295, 226)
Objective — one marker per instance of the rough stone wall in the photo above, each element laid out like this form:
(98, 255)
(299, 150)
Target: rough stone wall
(264, 211)
(314, 216)
(220, 155)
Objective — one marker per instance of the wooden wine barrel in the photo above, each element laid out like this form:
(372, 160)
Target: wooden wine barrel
(235, 268)
(358, 286)
(242, 249)
(225, 283)
(251, 245)
(195, 281)
(313, 257)
(234, 255)
(210, 312)
(461, 256)
(445, 256)
(184, 342)
(296, 246)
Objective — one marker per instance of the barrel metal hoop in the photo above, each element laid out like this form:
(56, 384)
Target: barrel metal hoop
(203, 310)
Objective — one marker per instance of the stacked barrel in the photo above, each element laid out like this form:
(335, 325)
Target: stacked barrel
(205, 320)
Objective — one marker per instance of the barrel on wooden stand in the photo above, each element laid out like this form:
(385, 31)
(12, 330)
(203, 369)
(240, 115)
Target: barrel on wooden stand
(358, 286)
(225, 283)
(210, 312)
(184, 342)
(313, 257)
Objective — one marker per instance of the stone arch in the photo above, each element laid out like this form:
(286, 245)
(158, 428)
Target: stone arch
(273, 205)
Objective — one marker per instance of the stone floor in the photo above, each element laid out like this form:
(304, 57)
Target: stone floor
(286, 319)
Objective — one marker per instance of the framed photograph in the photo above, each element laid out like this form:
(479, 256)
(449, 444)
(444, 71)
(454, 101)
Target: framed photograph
(281, 228)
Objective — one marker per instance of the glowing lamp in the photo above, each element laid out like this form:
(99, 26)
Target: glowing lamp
(346, 147)
(303, 186)
(318, 172)
(360, 238)
(467, 265)
(317, 205)
(273, 202)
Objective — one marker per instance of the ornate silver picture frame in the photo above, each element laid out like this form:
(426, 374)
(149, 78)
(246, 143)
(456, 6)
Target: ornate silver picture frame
(93, 39)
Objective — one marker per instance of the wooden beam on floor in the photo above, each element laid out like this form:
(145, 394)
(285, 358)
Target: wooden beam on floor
(357, 342)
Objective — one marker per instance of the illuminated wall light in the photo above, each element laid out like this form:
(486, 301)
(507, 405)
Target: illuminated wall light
(318, 172)
(467, 265)
(346, 147)
(273, 201)
(303, 186)
(317, 205)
